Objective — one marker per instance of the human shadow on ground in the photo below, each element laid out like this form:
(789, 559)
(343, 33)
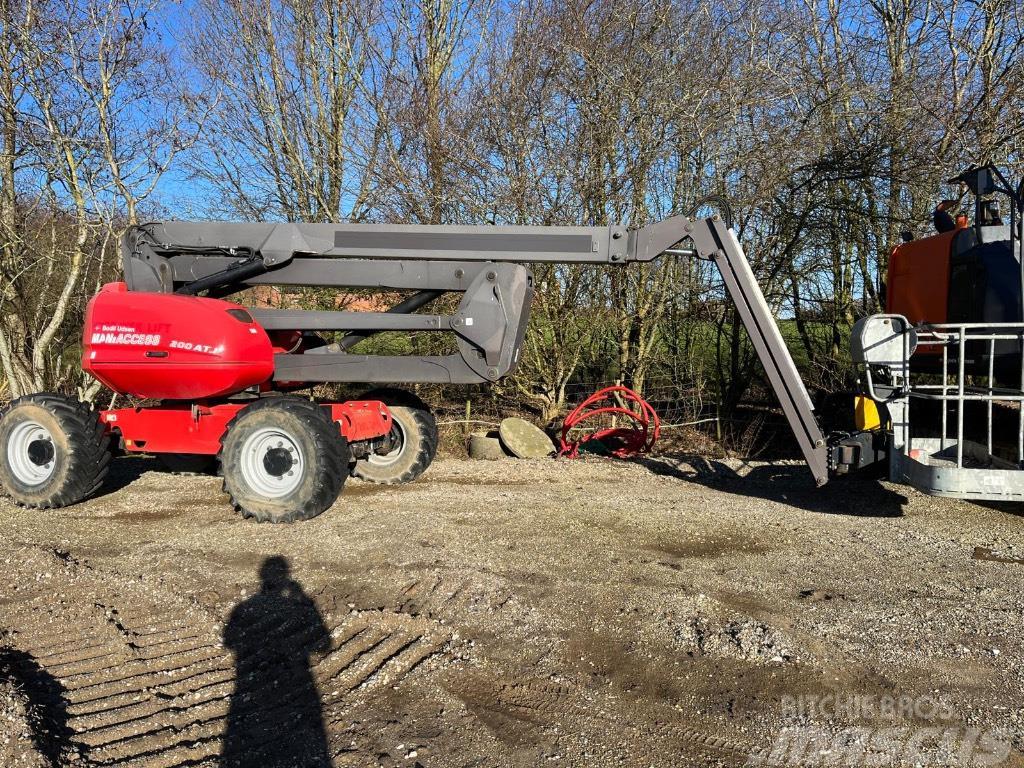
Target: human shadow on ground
(275, 717)
(46, 707)
(791, 484)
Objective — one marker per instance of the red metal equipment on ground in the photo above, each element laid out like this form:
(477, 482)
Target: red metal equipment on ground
(620, 441)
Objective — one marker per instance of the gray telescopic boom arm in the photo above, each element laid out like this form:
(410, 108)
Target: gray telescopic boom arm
(483, 263)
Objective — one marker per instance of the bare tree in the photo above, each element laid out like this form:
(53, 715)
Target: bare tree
(286, 135)
(829, 125)
(424, 75)
(89, 130)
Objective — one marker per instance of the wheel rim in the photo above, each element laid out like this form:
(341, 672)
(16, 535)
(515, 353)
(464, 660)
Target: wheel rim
(31, 453)
(272, 462)
(386, 459)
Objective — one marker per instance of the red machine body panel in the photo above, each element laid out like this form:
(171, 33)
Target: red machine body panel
(193, 428)
(175, 428)
(171, 347)
(361, 419)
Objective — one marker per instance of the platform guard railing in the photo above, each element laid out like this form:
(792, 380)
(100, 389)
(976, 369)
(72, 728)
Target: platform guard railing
(960, 382)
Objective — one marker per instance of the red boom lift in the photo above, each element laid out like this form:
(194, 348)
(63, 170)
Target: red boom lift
(218, 378)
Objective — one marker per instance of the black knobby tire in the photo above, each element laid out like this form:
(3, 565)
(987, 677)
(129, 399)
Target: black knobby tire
(283, 460)
(53, 450)
(188, 463)
(416, 430)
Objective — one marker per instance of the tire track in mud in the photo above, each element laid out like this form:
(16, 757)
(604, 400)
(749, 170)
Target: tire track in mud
(146, 678)
(521, 708)
(436, 593)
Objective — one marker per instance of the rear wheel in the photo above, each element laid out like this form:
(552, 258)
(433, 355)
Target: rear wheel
(282, 460)
(412, 443)
(55, 450)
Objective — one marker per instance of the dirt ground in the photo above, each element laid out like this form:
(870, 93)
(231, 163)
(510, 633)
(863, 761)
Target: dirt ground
(545, 613)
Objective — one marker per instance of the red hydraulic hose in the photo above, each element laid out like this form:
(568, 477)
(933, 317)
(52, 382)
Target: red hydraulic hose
(621, 441)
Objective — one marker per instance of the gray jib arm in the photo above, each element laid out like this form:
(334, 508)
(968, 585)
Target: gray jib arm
(483, 263)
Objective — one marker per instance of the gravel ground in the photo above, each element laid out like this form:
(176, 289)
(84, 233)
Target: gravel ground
(520, 613)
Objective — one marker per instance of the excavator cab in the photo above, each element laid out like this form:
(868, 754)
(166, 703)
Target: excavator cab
(969, 274)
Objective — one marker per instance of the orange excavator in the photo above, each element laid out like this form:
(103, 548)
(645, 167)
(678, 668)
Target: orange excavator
(942, 374)
(967, 272)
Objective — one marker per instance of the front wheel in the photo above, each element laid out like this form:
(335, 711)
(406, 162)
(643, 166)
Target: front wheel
(411, 446)
(55, 450)
(282, 460)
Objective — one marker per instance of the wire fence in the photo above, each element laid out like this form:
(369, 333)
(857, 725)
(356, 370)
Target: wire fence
(675, 406)
(690, 421)
(685, 415)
